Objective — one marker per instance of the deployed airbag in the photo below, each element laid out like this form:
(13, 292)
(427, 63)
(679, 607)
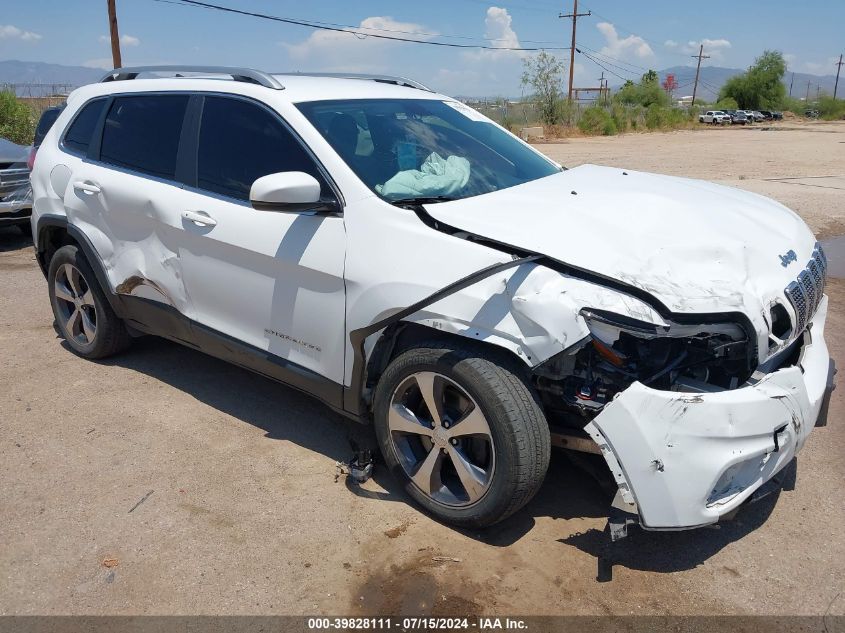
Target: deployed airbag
(435, 177)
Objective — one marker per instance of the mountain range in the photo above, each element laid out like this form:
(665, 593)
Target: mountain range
(56, 77)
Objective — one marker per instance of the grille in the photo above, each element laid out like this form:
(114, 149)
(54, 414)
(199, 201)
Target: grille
(805, 293)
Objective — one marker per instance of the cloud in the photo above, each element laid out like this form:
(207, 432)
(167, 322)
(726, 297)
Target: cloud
(125, 40)
(821, 68)
(9, 32)
(623, 47)
(355, 52)
(713, 47)
(499, 33)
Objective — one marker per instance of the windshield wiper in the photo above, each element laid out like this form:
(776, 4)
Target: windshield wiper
(416, 200)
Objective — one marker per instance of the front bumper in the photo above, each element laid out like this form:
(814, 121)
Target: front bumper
(683, 460)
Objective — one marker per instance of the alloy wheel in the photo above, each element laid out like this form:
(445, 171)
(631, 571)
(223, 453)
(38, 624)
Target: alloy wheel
(441, 439)
(75, 301)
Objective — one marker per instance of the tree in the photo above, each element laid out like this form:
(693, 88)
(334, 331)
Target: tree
(17, 120)
(645, 93)
(543, 74)
(759, 87)
(649, 78)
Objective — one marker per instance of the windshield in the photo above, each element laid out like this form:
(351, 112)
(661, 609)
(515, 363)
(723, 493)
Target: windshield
(406, 149)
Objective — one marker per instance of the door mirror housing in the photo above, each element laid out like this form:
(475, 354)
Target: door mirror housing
(290, 192)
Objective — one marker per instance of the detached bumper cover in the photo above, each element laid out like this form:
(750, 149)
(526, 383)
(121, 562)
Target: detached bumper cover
(684, 459)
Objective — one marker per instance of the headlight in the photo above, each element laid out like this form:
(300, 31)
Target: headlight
(621, 350)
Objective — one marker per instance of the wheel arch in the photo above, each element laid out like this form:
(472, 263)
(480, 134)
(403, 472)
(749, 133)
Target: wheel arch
(404, 335)
(52, 233)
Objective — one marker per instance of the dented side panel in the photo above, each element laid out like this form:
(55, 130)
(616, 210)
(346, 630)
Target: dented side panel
(135, 230)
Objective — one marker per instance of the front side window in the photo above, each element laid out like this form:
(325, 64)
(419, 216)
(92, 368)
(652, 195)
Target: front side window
(78, 135)
(240, 142)
(423, 148)
(141, 133)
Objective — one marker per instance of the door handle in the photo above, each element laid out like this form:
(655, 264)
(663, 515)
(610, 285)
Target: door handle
(87, 187)
(199, 218)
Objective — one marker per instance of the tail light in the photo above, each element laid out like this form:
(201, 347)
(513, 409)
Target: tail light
(30, 161)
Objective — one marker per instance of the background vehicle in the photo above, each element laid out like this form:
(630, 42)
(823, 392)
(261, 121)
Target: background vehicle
(739, 118)
(715, 117)
(749, 115)
(777, 116)
(757, 116)
(15, 193)
(357, 239)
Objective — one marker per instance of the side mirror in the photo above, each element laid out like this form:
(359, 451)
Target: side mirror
(289, 192)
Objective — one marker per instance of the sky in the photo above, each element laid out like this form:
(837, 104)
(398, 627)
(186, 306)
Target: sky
(624, 36)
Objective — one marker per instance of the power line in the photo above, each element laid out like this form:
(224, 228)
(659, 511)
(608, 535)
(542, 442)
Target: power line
(602, 66)
(353, 30)
(603, 60)
(605, 56)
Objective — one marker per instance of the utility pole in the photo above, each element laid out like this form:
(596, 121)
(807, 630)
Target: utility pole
(700, 56)
(791, 81)
(807, 98)
(115, 38)
(574, 15)
(602, 92)
(838, 68)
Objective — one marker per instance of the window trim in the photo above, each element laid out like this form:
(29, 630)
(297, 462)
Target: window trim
(191, 184)
(188, 148)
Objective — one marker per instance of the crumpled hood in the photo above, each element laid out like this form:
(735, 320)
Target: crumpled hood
(694, 245)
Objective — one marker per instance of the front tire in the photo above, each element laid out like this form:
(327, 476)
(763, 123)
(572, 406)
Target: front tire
(83, 314)
(463, 431)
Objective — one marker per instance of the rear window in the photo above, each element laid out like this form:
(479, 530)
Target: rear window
(142, 133)
(78, 136)
(48, 117)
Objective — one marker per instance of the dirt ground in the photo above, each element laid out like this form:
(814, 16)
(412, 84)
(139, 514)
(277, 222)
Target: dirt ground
(167, 482)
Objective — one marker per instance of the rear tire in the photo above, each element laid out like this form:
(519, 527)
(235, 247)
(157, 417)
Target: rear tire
(83, 314)
(472, 475)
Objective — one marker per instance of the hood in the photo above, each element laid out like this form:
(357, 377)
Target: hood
(12, 152)
(695, 246)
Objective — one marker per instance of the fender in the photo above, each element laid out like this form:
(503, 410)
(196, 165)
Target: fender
(353, 401)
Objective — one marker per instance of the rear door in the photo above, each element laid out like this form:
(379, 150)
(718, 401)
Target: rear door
(122, 191)
(272, 280)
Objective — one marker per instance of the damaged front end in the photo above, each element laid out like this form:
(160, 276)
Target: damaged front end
(622, 350)
(687, 422)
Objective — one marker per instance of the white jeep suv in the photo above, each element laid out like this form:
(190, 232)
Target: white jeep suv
(413, 265)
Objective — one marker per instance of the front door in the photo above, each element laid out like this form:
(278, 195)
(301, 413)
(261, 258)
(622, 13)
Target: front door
(271, 280)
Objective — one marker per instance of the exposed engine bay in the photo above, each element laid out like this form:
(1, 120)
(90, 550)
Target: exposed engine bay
(620, 350)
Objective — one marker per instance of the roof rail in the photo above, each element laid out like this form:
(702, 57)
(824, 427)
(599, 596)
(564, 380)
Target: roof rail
(247, 75)
(385, 79)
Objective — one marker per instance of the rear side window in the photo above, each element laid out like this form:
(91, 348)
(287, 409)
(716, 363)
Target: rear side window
(142, 133)
(240, 142)
(78, 136)
(48, 117)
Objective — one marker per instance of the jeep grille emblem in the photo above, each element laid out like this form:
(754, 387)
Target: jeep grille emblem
(788, 258)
